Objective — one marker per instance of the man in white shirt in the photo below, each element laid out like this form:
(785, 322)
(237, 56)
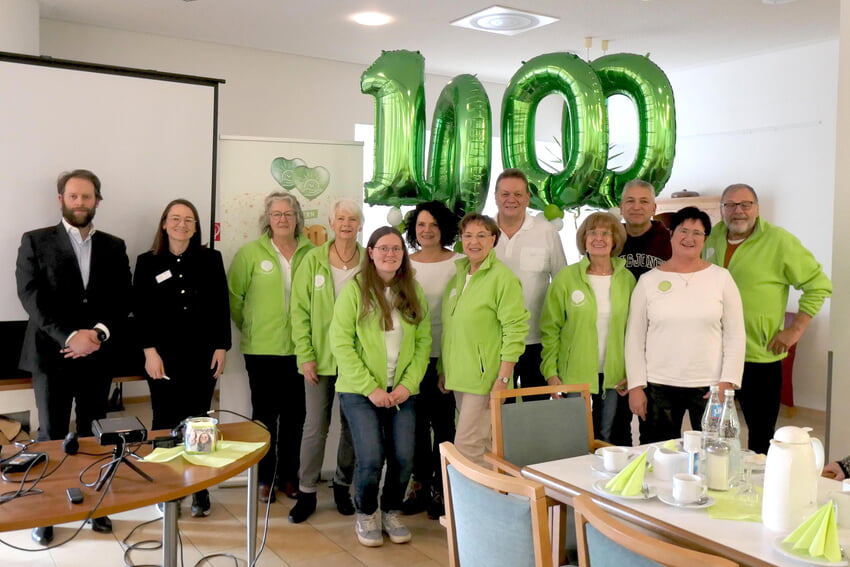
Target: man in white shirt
(532, 249)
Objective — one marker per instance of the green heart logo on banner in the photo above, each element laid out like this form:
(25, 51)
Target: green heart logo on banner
(311, 181)
(282, 169)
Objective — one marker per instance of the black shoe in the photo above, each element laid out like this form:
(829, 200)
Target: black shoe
(342, 498)
(436, 508)
(201, 504)
(416, 501)
(304, 507)
(42, 536)
(102, 525)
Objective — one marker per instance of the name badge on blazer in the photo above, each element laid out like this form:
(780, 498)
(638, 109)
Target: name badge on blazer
(166, 275)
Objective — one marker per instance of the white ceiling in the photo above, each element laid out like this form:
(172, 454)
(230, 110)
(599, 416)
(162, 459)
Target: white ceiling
(678, 34)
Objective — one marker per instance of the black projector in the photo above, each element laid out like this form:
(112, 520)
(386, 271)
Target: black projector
(118, 430)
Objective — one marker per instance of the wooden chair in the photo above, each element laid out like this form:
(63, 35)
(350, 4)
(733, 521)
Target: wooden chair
(492, 518)
(604, 541)
(539, 431)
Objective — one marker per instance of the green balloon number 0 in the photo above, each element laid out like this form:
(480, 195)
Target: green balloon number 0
(461, 140)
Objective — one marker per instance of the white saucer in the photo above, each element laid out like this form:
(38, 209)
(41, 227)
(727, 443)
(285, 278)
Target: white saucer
(786, 550)
(668, 499)
(599, 486)
(598, 467)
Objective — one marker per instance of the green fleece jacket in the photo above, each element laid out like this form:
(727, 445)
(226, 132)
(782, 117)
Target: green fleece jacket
(312, 308)
(763, 267)
(483, 325)
(257, 302)
(360, 347)
(568, 327)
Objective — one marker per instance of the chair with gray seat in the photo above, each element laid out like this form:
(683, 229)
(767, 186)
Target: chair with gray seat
(539, 431)
(492, 518)
(604, 541)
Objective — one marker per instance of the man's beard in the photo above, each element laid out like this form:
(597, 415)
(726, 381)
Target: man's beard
(74, 220)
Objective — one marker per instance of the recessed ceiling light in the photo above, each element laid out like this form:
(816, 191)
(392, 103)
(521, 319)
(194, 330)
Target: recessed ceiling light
(371, 18)
(776, 2)
(504, 21)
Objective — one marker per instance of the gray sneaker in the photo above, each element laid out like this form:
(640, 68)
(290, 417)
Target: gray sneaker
(368, 531)
(394, 528)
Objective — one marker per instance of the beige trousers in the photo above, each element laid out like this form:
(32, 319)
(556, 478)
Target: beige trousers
(473, 435)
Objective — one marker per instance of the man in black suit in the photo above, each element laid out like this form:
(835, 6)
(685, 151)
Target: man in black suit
(74, 283)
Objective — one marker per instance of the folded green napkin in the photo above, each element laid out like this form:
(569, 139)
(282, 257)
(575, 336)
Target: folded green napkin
(818, 535)
(728, 506)
(670, 445)
(629, 481)
(228, 452)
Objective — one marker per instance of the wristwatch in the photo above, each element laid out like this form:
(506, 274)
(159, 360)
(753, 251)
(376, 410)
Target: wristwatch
(101, 334)
(504, 379)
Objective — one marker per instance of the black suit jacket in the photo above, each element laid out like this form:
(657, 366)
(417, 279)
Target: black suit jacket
(51, 290)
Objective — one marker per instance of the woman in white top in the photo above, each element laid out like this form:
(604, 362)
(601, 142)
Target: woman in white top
(685, 333)
(432, 229)
(315, 287)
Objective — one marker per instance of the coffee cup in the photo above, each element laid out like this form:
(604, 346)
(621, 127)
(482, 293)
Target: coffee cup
(614, 459)
(688, 488)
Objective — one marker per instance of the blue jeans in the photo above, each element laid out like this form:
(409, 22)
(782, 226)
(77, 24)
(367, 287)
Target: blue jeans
(380, 434)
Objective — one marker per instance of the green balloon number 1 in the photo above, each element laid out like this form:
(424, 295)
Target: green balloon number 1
(461, 140)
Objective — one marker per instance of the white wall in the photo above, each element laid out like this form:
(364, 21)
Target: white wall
(839, 442)
(767, 120)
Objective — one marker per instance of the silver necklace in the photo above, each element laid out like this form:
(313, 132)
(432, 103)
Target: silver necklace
(688, 279)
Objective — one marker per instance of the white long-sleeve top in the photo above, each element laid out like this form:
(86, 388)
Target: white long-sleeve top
(685, 330)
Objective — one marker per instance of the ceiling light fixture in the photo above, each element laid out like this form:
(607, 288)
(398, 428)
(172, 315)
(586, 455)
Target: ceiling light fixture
(504, 21)
(371, 18)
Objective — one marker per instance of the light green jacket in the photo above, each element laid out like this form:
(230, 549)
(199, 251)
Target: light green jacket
(257, 302)
(568, 327)
(361, 349)
(312, 308)
(769, 261)
(483, 325)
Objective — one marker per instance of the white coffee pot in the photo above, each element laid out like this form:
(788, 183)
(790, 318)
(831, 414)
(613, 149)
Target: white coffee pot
(794, 463)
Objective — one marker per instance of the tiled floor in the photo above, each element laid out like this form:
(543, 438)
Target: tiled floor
(326, 539)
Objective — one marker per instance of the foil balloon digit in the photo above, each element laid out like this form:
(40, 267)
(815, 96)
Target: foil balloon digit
(461, 145)
(397, 81)
(585, 128)
(646, 85)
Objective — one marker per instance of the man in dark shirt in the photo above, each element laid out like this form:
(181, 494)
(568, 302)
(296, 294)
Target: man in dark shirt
(647, 246)
(648, 242)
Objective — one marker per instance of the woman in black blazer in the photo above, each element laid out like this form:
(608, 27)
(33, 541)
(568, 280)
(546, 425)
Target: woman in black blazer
(181, 306)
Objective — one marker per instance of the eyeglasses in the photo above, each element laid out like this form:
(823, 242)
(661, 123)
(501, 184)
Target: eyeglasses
(288, 215)
(388, 249)
(175, 219)
(745, 205)
(596, 233)
(689, 232)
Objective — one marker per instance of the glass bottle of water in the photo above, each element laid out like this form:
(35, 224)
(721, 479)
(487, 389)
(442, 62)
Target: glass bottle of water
(710, 424)
(730, 433)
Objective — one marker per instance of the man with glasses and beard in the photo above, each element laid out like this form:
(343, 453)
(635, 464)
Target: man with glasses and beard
(764, 261)
(74, 283)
